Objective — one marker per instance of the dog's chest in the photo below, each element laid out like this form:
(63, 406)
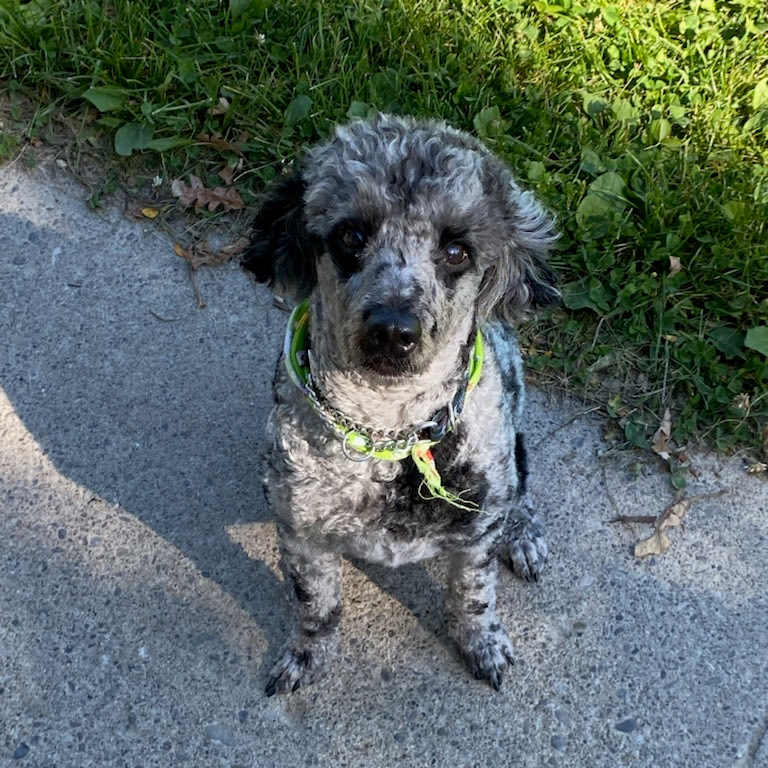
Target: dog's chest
(385, 513)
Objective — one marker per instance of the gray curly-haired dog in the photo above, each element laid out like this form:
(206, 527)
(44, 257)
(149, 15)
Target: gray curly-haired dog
(396, 427)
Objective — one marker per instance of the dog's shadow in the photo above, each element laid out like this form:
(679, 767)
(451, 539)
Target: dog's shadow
(133, 392)
(419, 589)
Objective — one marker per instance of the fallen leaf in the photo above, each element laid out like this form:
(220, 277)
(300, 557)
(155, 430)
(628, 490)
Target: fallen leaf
(765, 443)
(226, 174)
(661, 436)
(187, 193)
(672, 517)
(657, 544)
(202, 254)
(195, 193)
(675, 266)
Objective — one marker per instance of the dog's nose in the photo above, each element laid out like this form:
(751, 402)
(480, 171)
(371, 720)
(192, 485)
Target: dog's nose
(392, 332)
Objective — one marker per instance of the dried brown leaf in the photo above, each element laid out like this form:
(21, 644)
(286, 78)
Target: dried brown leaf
(672, 517)
(202, 254)
(187, 193)
(662, 435)
(195, 193)
(227, 197)
(765, 443)
(226, 174)
(180, 251)
(657, 544)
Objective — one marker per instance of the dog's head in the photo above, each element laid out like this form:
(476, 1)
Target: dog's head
(407, 232)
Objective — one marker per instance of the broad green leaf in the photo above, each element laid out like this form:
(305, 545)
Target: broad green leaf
(757, 338)
(485, 119)
(591, 162)
(734, 210)
(760, 94)
(106, 98)
(623, 110)
(591, 208)
(298, 109)
(536, 170)
(132, 136)
(593, 104)
(610, 15)
(611, 187)
(660, 129)
(689, 24)
(161, 145)
(357, 109)
(587, 293)
(729, 340)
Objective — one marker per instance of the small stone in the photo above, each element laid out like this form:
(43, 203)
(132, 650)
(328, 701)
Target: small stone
(217, 732)
(21, 751)
(586, 581)
(563, 717)
(557, 742)
(627, 726)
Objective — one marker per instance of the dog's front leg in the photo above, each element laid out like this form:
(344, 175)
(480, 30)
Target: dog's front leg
(315, 578)
(482, 641)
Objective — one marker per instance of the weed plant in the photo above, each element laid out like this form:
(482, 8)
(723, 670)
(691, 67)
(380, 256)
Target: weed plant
(642, 125)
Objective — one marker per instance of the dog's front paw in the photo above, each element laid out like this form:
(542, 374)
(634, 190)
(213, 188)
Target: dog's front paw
(527, 549)
(294, 669)
(488, 653)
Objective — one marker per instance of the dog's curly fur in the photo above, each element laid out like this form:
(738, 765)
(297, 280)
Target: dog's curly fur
(420, 221)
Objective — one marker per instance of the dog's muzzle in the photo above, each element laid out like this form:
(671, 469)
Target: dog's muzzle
(390, 335)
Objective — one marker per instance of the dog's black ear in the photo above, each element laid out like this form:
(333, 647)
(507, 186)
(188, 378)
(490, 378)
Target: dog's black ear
(281, 253)
(519, 282)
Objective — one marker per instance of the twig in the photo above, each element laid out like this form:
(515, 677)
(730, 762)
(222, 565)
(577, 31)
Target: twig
(634, 519)
(163, 319)
(711, 495)
(657, 518)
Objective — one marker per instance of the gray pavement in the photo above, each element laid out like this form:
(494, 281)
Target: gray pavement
(140, 596)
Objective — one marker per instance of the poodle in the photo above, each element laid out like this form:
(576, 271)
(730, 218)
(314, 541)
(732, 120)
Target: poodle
(409, 251)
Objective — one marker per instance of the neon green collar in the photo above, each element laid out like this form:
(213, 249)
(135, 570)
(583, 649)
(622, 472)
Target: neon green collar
(361, 444)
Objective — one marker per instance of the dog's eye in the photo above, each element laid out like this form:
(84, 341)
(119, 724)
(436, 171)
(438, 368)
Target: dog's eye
(352, 238)
(455, 254)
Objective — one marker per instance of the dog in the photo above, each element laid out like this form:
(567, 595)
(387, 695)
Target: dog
(410, 251)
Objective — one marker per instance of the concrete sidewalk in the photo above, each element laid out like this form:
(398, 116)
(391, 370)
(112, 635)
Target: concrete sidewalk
(140, 596)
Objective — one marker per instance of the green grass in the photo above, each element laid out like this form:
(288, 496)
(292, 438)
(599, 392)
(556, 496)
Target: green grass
(643, 125)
